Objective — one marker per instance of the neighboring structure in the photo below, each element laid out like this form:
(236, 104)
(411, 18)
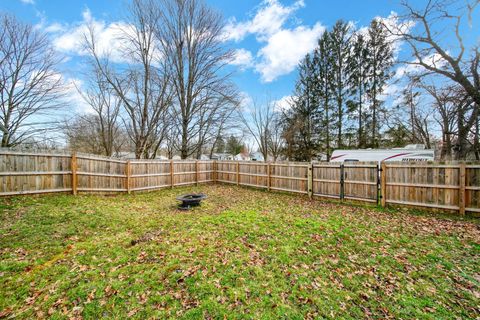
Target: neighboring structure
(222, 156)
(242, 157)
(411, 152)
(256, 156)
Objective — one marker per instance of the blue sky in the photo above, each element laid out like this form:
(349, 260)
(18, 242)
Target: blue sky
(269, 36)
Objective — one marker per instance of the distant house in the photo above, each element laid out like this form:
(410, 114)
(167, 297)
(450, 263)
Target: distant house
(131, 155)
(256, 156)
(242, 157)
(222, 156)
(204, 157)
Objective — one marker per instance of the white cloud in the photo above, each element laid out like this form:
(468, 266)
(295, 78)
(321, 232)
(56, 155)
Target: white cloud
(283, 104)
(246, 101)
(68, 39)
(27, 1)
(242, 58)
(283, 47)
(54, 28)
(412, 68)
(269, 18)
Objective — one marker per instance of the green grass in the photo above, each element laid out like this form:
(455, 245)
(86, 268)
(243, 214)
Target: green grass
(244, 254)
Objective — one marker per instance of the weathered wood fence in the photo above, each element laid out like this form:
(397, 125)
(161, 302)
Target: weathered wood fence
(453, 186)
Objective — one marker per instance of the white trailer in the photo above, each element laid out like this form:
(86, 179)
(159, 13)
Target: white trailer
(409, 153)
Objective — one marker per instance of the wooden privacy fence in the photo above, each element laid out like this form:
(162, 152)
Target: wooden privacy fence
(444, 186)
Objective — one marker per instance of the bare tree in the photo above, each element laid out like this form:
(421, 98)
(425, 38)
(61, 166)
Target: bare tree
(82, 133)
(276, 141)
(30, 86)
(444, 104)
(452, 62)
(419, 115)
(258, 120)
(191, 38)
(106, 106)
(143, 85)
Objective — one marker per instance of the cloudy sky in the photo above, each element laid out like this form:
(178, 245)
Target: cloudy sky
(269, 37)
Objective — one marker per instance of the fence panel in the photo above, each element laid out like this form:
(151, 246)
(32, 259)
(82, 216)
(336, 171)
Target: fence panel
(472, 188)
(29, 173)
(289, 176)
(226, 171)
(184, 172)
(254, 174)
(149, 174)
(360, 181)
(98, 174)
(205, 171)
(434, 185)
(327, 180)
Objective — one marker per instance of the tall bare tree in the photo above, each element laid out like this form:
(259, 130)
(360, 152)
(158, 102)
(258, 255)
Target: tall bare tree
(143, 86)
(258, 120)
(30, 85)
(276, 143)
(456, 62)
(445, 105)
(191, 38)
(106, 108)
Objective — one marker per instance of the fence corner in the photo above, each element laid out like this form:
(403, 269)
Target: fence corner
(461, 190)
(310, 180)
(73, 165)
(383, 184)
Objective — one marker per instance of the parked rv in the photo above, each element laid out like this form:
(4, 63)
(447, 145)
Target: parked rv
(413, 152)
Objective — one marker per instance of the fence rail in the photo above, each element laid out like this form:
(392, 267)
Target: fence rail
(443, 186)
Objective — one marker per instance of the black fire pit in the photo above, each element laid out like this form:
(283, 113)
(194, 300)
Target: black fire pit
(190, 200)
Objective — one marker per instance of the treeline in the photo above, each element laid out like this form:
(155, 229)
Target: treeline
(338, 102)
(340, 98)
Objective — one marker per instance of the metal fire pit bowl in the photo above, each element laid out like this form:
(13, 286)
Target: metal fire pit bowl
(190, 200)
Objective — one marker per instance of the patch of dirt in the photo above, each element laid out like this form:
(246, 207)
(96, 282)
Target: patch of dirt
(149, 236)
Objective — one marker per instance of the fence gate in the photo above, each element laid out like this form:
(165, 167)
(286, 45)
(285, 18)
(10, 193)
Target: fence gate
(353, 181)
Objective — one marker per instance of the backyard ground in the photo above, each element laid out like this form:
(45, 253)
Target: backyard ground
(243, 254)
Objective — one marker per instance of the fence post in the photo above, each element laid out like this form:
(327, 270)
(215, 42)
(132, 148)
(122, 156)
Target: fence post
(73, 164)
(342, 181)
(269, 182)
(171, 174)
(461, 191)
(128, 173)
(196, 172)
(238, 173)
(310, 180)
(383, 184)
(214, 171)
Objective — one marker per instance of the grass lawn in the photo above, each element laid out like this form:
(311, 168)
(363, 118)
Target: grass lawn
(243, 254)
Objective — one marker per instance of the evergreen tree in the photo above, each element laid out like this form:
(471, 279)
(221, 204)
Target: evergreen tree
(341, 47)
(220, 145)
(380, 62)
(302, 121)
(359, 81)
(323, 63)
(234, 145)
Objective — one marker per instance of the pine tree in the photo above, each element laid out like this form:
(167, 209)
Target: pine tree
(380, 62)
(358, 78)
(220, 145)
(302, 121)
(341, 46)
(323, 63)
